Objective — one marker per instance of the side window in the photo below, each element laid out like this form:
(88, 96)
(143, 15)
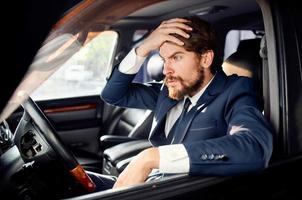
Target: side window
(84, 73)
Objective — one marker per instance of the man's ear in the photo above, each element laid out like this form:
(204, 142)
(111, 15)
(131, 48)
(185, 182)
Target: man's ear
(207, 59)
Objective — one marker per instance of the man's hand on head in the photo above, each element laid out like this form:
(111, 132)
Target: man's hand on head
(139, 168)
(163, 34)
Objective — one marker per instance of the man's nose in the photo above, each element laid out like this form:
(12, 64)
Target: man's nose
(167, 68)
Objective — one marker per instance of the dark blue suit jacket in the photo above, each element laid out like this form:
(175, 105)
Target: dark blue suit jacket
(228, 105)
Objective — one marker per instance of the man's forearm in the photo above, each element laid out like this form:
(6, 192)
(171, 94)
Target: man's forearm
(142, 51)
(139, 168)
(131, 63)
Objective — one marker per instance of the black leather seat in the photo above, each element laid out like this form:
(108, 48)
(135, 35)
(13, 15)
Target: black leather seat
(117, 157)
(247, 57)
(246, 61)
(128, 124)
(118, 149)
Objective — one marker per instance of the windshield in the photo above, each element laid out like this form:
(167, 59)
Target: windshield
(70, 48)
(66, 44)
(49, 58)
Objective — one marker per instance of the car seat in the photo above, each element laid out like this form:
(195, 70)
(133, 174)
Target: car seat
(246, 61)
(123, 146)
(128, 124)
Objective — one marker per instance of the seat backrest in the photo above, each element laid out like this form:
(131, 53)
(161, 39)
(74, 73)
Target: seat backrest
(124, 123)
(246, 61)
(136, 123)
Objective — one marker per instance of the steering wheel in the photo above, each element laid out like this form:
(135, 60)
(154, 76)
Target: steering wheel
(63, 153)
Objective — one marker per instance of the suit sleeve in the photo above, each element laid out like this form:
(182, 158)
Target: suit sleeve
(120, 91)
(247, 146)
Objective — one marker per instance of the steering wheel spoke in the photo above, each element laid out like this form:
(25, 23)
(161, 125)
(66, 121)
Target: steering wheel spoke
(63, 153)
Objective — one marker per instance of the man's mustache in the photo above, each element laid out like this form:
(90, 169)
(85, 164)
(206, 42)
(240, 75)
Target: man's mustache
(172, 78)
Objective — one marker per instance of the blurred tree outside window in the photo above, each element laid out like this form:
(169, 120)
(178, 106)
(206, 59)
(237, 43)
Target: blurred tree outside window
(84, 74)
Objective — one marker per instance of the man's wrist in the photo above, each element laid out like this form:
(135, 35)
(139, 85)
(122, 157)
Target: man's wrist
(140, 51)
(151, 158)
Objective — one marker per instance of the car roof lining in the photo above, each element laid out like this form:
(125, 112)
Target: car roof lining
(168, 9)
(231, 16)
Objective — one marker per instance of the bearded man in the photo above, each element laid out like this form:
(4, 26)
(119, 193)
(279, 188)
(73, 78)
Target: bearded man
(205, 123)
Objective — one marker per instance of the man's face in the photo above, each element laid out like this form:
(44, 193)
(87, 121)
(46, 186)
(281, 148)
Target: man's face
(183, 70)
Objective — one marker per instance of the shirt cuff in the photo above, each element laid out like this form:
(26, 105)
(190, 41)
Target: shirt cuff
(131, 63)
(173, 159)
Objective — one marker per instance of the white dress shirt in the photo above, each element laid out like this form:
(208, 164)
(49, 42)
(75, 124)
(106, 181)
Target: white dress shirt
(173, 158)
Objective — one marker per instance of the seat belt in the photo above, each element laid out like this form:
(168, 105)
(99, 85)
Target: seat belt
(265, 73)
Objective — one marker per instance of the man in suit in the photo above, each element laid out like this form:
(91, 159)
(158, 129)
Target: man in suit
(221, 131)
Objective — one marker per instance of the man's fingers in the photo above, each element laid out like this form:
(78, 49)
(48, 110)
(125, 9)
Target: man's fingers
(163, 33)
(178, 25)
(176, 20)
(175, 40)
(120, 181)
(116, 185)
(177, 31)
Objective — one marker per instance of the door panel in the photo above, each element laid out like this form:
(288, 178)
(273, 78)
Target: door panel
(77, 120)
(83, 139)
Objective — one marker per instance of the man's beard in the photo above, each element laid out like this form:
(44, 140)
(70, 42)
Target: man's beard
(187, 87)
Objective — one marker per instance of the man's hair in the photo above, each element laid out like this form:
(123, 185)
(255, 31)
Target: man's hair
(202, 38)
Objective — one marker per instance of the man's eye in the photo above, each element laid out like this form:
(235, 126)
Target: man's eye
(177, 58)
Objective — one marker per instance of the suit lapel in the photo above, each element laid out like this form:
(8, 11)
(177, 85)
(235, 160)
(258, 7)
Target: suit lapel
(213, 90)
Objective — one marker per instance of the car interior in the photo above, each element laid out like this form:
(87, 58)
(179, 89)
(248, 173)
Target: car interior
(104, 138)
(117, 157)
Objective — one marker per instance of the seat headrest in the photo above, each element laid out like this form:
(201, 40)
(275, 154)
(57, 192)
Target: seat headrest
(155, 66)
(247, 55)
